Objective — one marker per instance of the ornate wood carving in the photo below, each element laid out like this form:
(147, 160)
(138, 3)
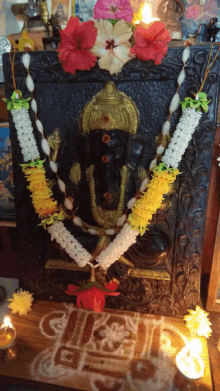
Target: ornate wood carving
(151, 88)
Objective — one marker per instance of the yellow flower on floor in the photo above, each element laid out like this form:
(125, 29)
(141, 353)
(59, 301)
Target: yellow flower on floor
(21, 302)
(198, 323)
(150, 201)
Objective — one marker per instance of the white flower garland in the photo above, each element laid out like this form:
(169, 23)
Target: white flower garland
(117, 247)
(67, 241)
(25, 134)
(185, 128)
(173, 155)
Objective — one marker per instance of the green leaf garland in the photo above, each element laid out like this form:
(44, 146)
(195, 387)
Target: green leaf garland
(201, 103)
(35, 163)
(16, 103)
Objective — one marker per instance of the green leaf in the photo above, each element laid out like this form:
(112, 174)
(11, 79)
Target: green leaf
(26, 105)
(202, 95)
(9, 106)
(35, 163)
(201, 103)
(112, 21)
(160, 167)
(15, 93)
(205, 107)
(17, 105)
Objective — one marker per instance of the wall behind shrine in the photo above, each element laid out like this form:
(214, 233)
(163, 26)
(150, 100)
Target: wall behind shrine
(197, 11)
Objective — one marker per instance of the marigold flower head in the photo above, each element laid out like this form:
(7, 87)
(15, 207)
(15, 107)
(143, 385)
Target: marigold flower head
(37, 186)
(21, 302)
(44, 207)
(198, 323)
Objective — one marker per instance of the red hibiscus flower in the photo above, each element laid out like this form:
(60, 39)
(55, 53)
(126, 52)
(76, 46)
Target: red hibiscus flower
(151, 42)
(92, 295)
(76, 40)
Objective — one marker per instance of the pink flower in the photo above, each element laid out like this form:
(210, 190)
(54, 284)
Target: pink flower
(193, 11)
(92, 295)
(76, 40)
(151, 42)
(115, 9)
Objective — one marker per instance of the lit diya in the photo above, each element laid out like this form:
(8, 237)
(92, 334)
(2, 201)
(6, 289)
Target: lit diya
(8, 350)
(190, 364)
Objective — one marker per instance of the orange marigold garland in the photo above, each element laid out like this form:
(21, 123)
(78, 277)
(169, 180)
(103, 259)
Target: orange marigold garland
(45, 206)
(41, 193)
(150, 201)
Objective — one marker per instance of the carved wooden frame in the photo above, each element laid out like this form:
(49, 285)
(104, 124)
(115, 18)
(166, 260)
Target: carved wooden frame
(143, 295)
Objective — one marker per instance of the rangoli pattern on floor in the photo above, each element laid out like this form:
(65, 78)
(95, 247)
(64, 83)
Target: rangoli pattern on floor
(113, 352)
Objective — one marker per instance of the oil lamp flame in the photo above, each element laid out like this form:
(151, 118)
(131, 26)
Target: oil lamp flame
(7, 322)
(147, 16)
(195, 346)
(189, 361)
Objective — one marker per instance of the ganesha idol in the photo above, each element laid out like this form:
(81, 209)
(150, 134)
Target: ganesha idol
(103, 167)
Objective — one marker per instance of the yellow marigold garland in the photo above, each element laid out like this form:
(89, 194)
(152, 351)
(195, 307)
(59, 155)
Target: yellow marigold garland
(151, 200)
(41, 194)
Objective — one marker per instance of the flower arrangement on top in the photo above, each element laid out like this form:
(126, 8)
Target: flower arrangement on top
(111, 38)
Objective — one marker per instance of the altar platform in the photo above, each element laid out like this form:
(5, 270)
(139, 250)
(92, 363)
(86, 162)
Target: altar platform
(60, 345)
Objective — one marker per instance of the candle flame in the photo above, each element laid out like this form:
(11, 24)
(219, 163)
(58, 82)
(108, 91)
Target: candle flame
(7, 321)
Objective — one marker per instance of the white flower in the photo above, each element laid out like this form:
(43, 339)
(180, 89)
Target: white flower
(112, 45)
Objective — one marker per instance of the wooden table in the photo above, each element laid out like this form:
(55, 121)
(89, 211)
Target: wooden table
(59, 344)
